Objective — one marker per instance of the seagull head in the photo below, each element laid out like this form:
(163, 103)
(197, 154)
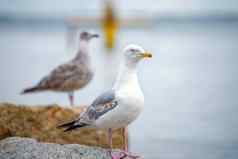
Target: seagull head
(135, 53)
(87, 36)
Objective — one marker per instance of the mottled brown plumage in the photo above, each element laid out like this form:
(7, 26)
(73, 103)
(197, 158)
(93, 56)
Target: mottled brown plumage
(70, 76)
(67, 77)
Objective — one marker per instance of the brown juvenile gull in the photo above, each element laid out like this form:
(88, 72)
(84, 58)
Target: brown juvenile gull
(119, 106)
(70, 76)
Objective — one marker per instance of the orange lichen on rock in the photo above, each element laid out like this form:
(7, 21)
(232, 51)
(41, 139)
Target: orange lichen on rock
(40, 122)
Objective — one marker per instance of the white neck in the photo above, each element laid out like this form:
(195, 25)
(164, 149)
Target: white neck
(83, 44)
(83, 52)
(127, 76)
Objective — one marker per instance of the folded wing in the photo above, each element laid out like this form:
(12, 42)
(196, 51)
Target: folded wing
(101, 105)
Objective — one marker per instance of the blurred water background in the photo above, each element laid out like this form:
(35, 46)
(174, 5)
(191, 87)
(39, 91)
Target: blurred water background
(190, 85)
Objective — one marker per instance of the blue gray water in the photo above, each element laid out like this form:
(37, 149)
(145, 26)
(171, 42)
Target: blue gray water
(190, 85)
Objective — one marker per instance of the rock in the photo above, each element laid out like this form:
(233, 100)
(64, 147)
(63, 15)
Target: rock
(27, 148)
(40, 122)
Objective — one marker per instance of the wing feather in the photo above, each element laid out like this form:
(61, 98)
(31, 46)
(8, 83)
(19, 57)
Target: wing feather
(100, 106)
(60, 75)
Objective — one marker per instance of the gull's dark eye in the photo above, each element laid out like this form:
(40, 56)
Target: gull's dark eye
(133, 50)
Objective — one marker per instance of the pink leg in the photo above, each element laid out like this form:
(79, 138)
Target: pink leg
(110, 144)
(125, 138)
(71, 98)
(126, 152)
(110, 137)
(122, 154)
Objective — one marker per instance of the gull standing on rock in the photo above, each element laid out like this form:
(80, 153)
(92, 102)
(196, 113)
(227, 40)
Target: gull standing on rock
(70, 76)
(119, 106)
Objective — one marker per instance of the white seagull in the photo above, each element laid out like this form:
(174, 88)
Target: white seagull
(119, 106)
(71, 76)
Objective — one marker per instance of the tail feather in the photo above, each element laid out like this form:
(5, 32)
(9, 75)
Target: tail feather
(30, 90)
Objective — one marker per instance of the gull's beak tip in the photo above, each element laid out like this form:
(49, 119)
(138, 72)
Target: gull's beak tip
(95, 35)
(147, 55)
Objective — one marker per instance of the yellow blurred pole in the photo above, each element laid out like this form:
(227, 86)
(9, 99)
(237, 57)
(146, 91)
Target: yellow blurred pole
(110, 25)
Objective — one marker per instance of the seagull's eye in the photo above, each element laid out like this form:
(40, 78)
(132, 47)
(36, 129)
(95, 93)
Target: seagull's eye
(133, 50)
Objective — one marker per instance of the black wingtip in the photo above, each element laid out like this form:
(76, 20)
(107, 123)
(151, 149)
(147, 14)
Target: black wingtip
(29, 90)
(74, 127)
(66, 124)
(71, 128)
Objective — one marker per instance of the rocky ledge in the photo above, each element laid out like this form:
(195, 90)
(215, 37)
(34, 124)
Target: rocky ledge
(28, 148)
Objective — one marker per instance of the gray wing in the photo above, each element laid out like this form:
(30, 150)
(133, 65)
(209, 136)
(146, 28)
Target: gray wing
(101, 105)
(106, 97)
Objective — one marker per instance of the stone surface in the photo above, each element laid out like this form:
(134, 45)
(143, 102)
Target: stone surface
(40, 122)
(27, 148)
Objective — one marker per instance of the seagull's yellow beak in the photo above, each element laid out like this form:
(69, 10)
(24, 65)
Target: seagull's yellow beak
(146, 55)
